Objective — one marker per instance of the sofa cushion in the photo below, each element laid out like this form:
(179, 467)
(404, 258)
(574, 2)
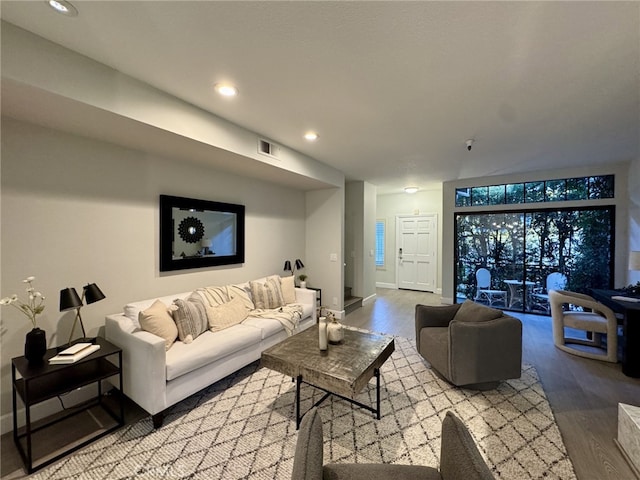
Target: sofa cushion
(474, 312)
(226, 315)
(213, 296)
(157, 319)
(288, 289)
(268, 326)
(190, 317)
(209, 347)
(267, 295)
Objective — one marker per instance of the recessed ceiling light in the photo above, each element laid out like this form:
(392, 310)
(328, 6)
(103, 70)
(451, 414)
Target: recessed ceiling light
(226, 89)
(411, 189)
(311, 136)
(63, 7)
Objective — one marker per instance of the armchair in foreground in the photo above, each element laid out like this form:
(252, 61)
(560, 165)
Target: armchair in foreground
(459, 457)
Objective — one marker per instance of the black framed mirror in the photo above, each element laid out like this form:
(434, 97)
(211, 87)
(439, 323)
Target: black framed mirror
(199, 233)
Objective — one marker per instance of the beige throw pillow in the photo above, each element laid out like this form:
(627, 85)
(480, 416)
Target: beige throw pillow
(157, 320)
(288, 289)
(268, 294)
(474, 312)
(226, 315)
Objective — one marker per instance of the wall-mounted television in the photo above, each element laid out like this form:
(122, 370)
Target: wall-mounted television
(199, 233)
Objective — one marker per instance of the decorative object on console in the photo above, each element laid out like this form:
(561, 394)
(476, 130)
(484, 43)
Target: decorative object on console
(205, 243)
(36, 340)
(303, 280)
(69, 300)
(35, 346)
(335, 333)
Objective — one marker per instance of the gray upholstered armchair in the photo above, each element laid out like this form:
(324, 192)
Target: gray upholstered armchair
(470, 344)
(459, 457)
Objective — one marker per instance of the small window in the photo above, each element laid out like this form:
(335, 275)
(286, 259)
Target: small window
(534, 192)
(380, 230)
(463, 197)
(515, 193)
(556, 190)
(479, 196)
(496, 194)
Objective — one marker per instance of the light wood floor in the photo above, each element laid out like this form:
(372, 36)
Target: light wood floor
(584, 394)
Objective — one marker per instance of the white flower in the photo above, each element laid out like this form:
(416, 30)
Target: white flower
(31, 309)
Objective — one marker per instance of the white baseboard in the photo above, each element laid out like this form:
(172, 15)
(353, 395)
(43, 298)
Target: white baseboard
(369, 299)
(386, 285)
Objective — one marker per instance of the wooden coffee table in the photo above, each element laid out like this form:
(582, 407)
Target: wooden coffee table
(342, 370)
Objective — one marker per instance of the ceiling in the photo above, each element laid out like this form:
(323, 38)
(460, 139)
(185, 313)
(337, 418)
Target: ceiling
(393, 88)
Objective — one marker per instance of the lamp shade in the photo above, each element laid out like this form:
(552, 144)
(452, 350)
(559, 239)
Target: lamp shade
(287, 266)
(69, 299)
(92, 293)
(299, 264)
(634, 260)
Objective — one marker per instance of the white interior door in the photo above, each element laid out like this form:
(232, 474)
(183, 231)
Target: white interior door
(416, 242)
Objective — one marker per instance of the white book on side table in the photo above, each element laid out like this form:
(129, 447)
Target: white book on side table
(74, 353)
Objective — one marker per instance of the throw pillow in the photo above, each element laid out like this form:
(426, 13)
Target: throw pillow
(226, 315)
(238, 291)
(474, 312)
(191, 318)
(288, 289)
(157, 320)
(214, 295)
(268, 294)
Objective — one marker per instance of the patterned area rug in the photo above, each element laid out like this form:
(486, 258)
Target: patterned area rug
(244, 427)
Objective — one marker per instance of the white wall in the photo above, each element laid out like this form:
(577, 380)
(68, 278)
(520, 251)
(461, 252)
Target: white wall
(621, 201)
(324, 242)
(360, 217)
(634, 215)
(76, 210)
(388, 206)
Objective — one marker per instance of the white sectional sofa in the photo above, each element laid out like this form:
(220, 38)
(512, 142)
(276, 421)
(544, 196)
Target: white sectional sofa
(156, 378)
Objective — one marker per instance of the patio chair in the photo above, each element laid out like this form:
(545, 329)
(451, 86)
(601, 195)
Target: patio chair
(484, 292)
(601, 320)
(540, 300)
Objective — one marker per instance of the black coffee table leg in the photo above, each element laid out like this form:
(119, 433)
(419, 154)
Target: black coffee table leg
(376, 372)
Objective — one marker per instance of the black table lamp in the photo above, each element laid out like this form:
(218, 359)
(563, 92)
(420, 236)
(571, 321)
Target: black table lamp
(70, 300)
(297, 265)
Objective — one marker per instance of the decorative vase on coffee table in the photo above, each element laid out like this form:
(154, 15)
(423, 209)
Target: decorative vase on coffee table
(335, 334)
(35, 346)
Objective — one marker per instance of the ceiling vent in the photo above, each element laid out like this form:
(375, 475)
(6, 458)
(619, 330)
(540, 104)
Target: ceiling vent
(267, 148)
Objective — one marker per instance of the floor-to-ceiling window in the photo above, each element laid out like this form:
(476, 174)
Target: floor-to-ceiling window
(525, 249)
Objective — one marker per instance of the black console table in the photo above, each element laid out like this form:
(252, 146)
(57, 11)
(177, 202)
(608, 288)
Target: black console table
(630, 312)
(38, 383)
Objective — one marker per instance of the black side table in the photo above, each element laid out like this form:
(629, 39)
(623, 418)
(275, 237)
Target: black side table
(318, 295)
(42, 382)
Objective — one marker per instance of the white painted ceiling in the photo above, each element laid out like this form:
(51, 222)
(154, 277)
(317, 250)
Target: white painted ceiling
(393, 88)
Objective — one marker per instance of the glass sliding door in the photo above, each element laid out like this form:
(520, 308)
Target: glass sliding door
(522, 249)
